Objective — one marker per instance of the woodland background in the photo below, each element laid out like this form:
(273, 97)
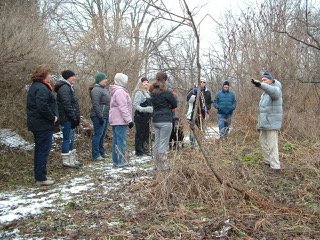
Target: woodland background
(140, 37)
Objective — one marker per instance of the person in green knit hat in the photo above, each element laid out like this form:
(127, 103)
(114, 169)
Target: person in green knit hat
(100, 99)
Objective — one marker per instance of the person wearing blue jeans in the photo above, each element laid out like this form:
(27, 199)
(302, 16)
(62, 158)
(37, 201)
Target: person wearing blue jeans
(100, 99)
(225, 103)
(224, 122)
(42, 116)
(119, 140)
(68, 134)
(69, 115)
(100, 128)
(120, 117)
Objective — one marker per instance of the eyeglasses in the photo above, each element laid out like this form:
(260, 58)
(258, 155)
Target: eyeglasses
(202, 82)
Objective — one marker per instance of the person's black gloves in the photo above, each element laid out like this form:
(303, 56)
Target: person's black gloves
(101, 121)
(255, 82)
(131, 124)
(73, 124)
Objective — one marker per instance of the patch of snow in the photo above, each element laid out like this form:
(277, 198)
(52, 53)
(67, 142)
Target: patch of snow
(27, 202)
(11, 139)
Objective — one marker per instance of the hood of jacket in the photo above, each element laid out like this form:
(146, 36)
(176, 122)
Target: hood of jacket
(60, 83)
(114, 88)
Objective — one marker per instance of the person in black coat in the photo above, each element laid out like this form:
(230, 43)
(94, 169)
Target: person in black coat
(163, 101)
(204, 106)
(69, 114)
(42, 115)
(142, 115)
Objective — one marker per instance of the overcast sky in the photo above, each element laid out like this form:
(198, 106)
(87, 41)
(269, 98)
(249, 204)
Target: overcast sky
(215, 8)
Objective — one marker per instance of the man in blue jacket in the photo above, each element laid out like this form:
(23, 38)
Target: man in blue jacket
(225, 103)
(270, 119)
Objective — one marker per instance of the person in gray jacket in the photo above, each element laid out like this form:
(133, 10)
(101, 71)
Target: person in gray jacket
(270, 119)
(100, 98)
(142, 115)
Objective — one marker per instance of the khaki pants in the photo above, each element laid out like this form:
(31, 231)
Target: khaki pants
(269, 146)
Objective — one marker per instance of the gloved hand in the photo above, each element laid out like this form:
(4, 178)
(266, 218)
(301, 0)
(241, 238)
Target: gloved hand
(195, 90)
(73, 124)
(148, 109)
(192, 99)
(130, 125)
(255, 82)
(101, 121)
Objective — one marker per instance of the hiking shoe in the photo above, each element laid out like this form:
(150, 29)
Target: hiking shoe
(45, 183)
(99, 159)
(122, 165)
(104, 156)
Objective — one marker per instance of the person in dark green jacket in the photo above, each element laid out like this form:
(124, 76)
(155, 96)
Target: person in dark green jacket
(42, 115)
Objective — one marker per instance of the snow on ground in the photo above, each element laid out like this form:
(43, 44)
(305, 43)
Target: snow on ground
(11, 139)
(27, 202)
(33, 201)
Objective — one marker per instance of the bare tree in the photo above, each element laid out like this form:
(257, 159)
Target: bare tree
(24, 44)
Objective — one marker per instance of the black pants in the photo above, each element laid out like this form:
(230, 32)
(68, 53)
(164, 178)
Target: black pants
(142, 123)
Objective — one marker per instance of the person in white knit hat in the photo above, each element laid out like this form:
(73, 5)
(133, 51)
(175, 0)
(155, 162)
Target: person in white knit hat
(120, 118)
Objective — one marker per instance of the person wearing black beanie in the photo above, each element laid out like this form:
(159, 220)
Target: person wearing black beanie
(225, 103)
(66, 74)
(270, 119)
(69, 115)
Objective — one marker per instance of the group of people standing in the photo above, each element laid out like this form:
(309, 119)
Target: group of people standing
(153, 104)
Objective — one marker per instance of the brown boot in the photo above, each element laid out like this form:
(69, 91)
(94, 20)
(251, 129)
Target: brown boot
(45, 183)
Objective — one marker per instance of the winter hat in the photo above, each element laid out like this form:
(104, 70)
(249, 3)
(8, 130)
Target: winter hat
(144, 79)
(121, 79)
(100, 76)
(268, 75)
(66, 74)
(202, 79)
(226, 83)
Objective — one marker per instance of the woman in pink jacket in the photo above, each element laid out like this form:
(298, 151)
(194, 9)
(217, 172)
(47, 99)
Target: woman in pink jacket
(120, 118)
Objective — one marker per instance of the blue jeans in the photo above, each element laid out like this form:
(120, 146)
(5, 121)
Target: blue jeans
(224, 122)
(68, 137)
(119, 144)
(43, 143)
(98, 136)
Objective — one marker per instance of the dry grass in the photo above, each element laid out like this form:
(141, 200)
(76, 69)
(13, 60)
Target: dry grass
(189, 202)
(273, 205)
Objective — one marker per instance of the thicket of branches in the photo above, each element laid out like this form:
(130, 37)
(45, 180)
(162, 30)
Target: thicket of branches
(140, 37)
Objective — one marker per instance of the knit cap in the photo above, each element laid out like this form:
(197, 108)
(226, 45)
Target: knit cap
(226, 83)
(144, 79)
(100, 76)
(268, 75)
(66, 74)
(121, 79)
